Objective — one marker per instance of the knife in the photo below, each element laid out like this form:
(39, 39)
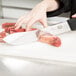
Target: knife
(30, 37)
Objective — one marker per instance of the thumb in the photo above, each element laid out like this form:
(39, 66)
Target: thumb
(43, 22)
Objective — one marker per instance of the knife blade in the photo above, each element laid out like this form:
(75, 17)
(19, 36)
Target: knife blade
(29, 37)
(21, 38)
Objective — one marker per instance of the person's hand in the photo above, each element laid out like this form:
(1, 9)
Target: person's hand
(74, 16)
(38, 14)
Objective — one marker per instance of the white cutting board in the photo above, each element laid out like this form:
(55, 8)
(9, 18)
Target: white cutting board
(66, 53)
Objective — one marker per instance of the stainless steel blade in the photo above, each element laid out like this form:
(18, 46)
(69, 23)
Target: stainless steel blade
(21, 38)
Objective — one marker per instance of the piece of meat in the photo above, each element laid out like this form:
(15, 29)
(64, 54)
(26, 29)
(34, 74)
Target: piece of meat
(48, 38)
(20, 30)
(10, 28)
(6, 25)
(17, 30)
(2, 35)
(7, 30)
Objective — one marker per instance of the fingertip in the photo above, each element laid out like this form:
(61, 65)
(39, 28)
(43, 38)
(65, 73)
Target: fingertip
(27, 28)
(16, 27)
(43, 22)
(74, 16)
(46, 26)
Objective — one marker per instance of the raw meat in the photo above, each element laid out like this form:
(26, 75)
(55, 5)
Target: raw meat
(10, 28)
(11, 31)
(6, 25)
(48, 38)
(2, 35)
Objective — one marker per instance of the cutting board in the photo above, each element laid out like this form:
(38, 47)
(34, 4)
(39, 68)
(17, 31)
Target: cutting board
(42, 51)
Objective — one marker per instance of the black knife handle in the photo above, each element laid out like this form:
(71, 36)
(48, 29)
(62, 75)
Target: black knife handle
(72, 23)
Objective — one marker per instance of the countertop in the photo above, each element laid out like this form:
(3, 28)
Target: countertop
(41, 51)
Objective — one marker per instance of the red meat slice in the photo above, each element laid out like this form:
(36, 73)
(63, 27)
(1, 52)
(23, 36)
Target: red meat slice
(10, 28)
(2, 35)
(17, 30)
(7, 30)
(6, 25)
(48, 38)
(20, 30)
